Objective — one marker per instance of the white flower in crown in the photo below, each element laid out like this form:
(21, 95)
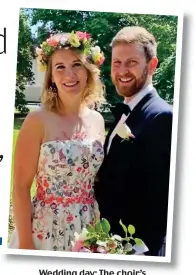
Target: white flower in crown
(124, 131)
(97, 56)
(95, 49)
(64, 39)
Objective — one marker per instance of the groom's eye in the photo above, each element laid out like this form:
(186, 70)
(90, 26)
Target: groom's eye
(132, 62)
(117, 63)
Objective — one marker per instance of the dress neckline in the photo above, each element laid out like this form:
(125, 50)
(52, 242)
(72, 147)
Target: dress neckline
(70, 140)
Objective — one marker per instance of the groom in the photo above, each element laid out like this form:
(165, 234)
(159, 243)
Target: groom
(134, 177)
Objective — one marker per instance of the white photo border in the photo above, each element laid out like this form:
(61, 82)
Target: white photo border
(167, 258)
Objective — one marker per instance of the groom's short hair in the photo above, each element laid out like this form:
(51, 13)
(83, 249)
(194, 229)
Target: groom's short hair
(139, 35)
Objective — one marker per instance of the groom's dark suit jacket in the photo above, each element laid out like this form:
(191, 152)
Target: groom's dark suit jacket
(133, 180)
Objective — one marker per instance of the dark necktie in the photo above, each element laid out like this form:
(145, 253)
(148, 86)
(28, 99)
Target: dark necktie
(120, 109)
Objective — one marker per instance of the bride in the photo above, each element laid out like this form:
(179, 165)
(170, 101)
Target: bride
(61, 146)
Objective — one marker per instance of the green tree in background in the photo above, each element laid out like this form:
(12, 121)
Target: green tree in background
(103, 26)
(24, 73)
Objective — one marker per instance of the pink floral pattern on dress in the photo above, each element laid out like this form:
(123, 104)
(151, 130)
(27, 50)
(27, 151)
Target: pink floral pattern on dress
(64, 200)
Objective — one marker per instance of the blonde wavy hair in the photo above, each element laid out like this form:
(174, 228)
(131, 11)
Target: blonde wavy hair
(93, 94)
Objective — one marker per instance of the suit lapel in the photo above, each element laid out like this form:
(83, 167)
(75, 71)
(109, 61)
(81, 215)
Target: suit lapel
(136, 119)
(108, 137)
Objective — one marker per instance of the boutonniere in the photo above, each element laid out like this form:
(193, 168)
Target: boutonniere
(124, 132)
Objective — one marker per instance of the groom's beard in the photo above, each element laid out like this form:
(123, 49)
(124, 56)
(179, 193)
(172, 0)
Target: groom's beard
(135, 85)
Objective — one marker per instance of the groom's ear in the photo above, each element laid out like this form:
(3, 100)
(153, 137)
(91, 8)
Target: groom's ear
(153, 65)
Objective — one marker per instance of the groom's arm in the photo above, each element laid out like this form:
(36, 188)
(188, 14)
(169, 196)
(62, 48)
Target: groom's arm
(156, 174)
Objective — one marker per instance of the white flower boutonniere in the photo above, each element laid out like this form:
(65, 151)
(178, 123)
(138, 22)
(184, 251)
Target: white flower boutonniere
(124, 131)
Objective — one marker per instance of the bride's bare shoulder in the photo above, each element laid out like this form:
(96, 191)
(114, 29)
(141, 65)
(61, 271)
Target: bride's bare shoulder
(96, 116)
(36, 116)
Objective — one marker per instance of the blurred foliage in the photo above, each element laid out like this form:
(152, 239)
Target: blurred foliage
(24, 73)
(103, 26)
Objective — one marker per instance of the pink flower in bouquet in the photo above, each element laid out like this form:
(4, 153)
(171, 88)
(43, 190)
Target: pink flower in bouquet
(78, 245)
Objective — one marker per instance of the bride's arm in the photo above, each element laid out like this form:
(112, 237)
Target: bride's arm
(25, 166)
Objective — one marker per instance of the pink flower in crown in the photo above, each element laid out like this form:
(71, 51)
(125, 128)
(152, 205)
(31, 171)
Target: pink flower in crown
(101, 60)
(52, 42)
(83, 35)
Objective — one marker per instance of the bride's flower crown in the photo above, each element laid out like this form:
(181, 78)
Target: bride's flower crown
(78, 40)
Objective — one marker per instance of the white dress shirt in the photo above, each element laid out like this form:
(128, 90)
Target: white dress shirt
(132, 103)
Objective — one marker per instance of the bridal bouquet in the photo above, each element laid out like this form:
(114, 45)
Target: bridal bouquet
(97, 239)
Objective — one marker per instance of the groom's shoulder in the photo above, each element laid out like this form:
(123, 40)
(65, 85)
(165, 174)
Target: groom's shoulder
(160, 106)
(158, 115)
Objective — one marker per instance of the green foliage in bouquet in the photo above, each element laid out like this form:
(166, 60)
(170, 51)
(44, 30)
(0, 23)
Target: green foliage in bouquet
(97, 239)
